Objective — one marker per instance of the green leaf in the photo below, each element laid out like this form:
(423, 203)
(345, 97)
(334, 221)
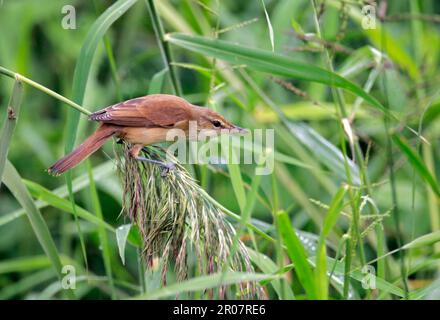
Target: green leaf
(324, 150)
(84, 63)
(269, 62)
(80, 78)
(235, 174)
(103, 238)
(24, 264)
(79, 183)
(297, 255)
(430, 292)
(359, 276)
(417, 163)
(51, 198)
(205, 282)
(157, 82)
(13, 181)
(269, 267)
(26, 284)
(121, 238)
(321, 257)
(423, 241)
(269, 26)
(12, 112)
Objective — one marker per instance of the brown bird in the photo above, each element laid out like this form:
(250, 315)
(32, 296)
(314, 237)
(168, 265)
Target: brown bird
(143, 121)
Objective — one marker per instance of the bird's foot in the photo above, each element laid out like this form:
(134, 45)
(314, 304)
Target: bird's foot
(166, 166)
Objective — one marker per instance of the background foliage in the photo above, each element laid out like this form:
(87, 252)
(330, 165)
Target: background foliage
(355, 173)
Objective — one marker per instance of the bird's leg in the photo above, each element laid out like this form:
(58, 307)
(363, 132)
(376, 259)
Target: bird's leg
(166, 167)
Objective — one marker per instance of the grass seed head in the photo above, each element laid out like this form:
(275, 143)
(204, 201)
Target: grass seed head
(174, 218)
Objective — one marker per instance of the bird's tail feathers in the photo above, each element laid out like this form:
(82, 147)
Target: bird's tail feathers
(83, 151)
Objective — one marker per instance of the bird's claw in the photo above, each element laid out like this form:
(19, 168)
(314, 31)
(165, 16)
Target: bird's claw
(167, 168)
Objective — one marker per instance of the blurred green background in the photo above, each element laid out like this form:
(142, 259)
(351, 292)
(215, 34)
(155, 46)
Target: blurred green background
(34, 44)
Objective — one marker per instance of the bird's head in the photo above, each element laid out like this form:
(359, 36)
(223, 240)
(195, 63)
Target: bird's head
(213, 121)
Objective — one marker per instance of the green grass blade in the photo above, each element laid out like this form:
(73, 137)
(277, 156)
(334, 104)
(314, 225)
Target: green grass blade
(269, 26)
(110, 57)
(297, 254)
(269, 62)
(26, 284)
(423, 241)
(359, 276)
(268, 266)
(56, 201)
(105, 247)
(121, 239)
(79, 183)
(205, 282)
(84, 63)
(330, 220)
(12, 112)
(246, 203)
(236, 179)
(328, 153)
(13, 181)
(323, 149)
(430, 292)
(418, 164)
(24, 264)
(80, 78)
(157, 82)
(163, 46)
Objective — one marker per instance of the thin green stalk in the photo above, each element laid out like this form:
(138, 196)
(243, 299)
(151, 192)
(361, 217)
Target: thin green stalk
(113, 68)
(163, 46)
(213, 77)
(80, 79)
(70, 103)
(380, 251)
(111, 60)
(416, 31)
(391, 165)
(105, 247)
(12, 112)
(44, 89)
(324, 181)
(167, 58)
(279, 242)
(347, 266)
(238, 218)
(379, 229)
(433, 204)
(246, 203)
(141, 270)
(354, 198)
(15, 184)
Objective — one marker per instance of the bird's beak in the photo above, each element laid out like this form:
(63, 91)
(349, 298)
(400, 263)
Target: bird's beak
(237, 129)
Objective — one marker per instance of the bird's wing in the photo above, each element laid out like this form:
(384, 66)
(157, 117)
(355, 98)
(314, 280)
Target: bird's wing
(148, 111)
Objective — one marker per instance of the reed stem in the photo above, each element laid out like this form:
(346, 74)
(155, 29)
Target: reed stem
(44, 89)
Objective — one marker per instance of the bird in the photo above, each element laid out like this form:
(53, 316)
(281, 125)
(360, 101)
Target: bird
(143, 121)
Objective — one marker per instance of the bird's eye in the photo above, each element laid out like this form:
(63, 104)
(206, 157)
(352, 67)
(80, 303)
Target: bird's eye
(216, 123)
